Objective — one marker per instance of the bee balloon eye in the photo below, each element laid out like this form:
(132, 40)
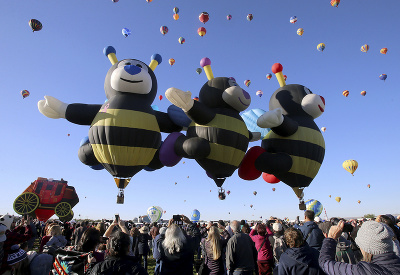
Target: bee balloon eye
(138, 65)
(128, 63)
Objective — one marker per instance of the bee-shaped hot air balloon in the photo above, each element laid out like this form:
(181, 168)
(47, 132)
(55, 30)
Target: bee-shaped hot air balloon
(217, 138)
(125, 131)
(294, 149)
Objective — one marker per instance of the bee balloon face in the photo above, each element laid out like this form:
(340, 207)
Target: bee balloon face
(130, 76)
(297, 99)
(224, 92)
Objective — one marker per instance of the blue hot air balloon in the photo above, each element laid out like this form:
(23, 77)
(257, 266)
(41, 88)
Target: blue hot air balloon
(315, 206)
(126, 32)
(195, 217)
(383, 77)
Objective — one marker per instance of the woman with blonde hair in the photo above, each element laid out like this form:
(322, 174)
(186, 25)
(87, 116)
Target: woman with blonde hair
(57, 240)
(212, 251)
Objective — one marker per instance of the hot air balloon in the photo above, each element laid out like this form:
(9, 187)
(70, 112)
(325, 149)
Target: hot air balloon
(273, 189)
(201, 31)
(363, 93)
(321, 47)
(126, 32)
(154, 213)
(228, 192)
(204, 17)
(255, 193)
(369, 185)
(300, 31)
(249, 17)
(197, 99)
(323, 129)
(175, 16)
(199, 70)
(115, 1)
(364, 48)
(181, 40)
(250, 119)
(338, 199)
(350, 165)
(251, 206)
(176, 183)
(270, 178)
(383, 50)
(247, 83)
(383, 77)
(164, 30)
(229, 17)
(160, 97)
(176, 10)
(195, 216)
(335, 3)
(165, 211)
(284, 77)
(269, 76)
(25, 93)
(359, 201)
(35, 25)
(293, 19)
(148, 1)
(346, 93)
(330, 196)
(259, 93)
(315, 206)
(171, 61)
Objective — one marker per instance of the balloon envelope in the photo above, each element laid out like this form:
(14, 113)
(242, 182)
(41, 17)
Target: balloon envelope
(350, 165)
(199, 70)
(293, 19)
(300, 31)
(249, 17)
(201, 31)
(364, 48)
(35, 25)
(176, 16)
(323, 129)
(171, 61)
(126, 32)
(229, 17)
(338, 199)
(335, 3)
(346, 93)
(181, 40)
(176, 10)
(195, 217)
(269, 76)
(321, 47)
(247, 82)
(259, 93)
(383, 50)
(315, 206)
(383, 77)
(204, 17)
(25, 93)
(154, 213)
(164, 30)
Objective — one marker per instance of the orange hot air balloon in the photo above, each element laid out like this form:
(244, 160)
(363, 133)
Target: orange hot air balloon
(383, 50)
(171, 61)
(175, 16)
(273, 189)
(346, 93)
(359, 201)
(363, 93)
(330, 196)
(369, 185)
(201, 31)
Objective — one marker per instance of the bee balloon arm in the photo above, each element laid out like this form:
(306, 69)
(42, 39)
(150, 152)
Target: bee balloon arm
(254, 136)
(201, 114)
(166, 124)
(82, 114)
(287, 128)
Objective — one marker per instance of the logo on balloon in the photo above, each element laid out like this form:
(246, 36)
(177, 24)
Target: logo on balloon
(154, 213)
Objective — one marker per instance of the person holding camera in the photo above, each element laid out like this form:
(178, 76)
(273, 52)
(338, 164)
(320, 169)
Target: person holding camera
(311, 232)
(376, 245)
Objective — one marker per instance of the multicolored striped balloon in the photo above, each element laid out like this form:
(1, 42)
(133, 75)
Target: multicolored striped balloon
(364, 48)
(35, 25)
(383, 77)
(164, 30)
(247, 82)
(293, 19)
(346, 93)
(201, 31)
(321, 47)
(176, 10)
(229, 17)
(249, 17)
(25, 93)
(335, 3)
(383, 50)
(300, 31)
(269, 76)
(181, 40)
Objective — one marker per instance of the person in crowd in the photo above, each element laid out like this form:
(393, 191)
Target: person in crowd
(14, 235)
(46, 235)
(376, 244)
(79, 232)
(17, 260)
(143, 245)
(67, 232)
(265, 257)
(175, 250)
(389, 222)
(241, 254)
(278, 241)
(134, 237)
(212, 251)
(156, 255)
(246, 228)
(118, 261)
(299, 257)
(101, 227)
(89, 242)
(57, 240)
(311, 232)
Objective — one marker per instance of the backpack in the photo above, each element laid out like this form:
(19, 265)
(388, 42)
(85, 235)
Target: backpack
(70, 262)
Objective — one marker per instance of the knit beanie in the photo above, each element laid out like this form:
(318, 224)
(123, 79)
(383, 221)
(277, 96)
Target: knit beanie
(16, 255)
(277, 227)
(375, 238)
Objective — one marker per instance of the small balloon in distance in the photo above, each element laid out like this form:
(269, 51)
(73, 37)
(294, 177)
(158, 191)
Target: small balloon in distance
(363, 93)
(126, 32)
(204, 17)
(323, 129)
(321, 47)
(229, 17)
(383, 77)
(181, 40)
(25, 93)
(346, 93)
(300, 31)
(164, 30)
(338, 199)
(249, 17)
(364, 48)
(175, 16)
(269, 76)
(383, 50)
(247, 82)
(35, 25)
(293, 19)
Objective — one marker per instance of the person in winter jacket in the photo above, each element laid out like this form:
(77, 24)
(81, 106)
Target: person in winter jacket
(311, 232)
(299, 258)
(376, 244)
(117, 261)
(143, 245)
(278, 244)
(57, 240)
(265, 257)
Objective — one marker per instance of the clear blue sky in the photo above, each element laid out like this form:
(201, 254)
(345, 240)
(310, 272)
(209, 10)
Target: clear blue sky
(65, 60)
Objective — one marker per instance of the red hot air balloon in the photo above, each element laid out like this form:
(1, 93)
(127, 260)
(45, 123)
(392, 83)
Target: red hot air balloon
(160, 97)
(204, 17)
(201, 31)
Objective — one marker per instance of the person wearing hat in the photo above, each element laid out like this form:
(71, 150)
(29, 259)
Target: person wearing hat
(278, 241)
(143, 245)
(376, 244)
(15, 257)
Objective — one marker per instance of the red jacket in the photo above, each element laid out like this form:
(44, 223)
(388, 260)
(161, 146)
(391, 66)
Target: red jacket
(266, 251)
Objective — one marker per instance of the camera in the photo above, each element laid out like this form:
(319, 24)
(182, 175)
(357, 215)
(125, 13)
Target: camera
(117, 217)
(177, 219)
(347, 226)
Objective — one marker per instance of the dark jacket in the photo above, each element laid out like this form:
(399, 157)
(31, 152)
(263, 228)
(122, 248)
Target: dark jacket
(299, 260)
(241, 253)
(143, 243)
(314, 233)
(111, 265)
(387, 263)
